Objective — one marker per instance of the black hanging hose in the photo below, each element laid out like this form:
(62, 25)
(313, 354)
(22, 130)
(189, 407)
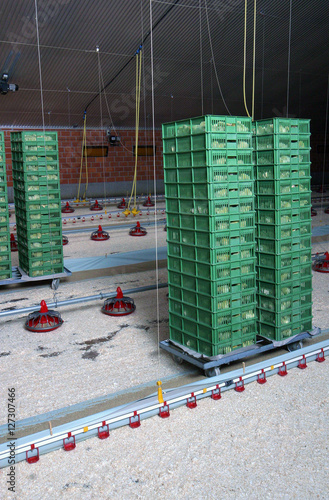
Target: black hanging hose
(133, 57)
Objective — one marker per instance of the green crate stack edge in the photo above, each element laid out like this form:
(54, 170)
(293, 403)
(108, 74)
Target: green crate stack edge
(209, 188)
(283, 227)
(5, 252)
(37, 202)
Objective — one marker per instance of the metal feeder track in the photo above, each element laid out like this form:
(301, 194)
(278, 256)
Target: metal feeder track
(100, 424)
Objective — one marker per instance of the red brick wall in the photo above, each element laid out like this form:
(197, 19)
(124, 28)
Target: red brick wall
(117, 166)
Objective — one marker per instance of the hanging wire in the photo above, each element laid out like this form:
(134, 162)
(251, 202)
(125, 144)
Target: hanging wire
(43, 114)
(325, 144)
(83, 156)
(289, 50)
(138, 94)
(155, 191)
(245, 57)
(101, 114)
(68, 106)
(201, 63)
(263, 65)
(211, 88)
(213, 59)
(254, 63)
(144, 101)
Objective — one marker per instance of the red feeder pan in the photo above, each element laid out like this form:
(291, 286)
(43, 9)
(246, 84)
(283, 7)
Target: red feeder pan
(100, 235)
(65, 240)
(138, 230)
(44, 320)
(96, 207)
(13, 243)
(321, 189)
(119, 305)
(326, 210)
(68, 209)
(165, 228)
(313, 212)
(148, 202)
(321, 264)
(122, 203)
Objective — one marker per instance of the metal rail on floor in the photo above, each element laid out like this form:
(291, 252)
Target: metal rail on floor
(66, 436)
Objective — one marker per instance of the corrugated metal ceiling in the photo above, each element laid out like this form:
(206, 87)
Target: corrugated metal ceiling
(70, 30)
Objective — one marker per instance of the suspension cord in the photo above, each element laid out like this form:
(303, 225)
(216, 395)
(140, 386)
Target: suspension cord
(254, 63)
(152, 28)
(155, 199)
(138, 94)
(201, 68)
(101, 116)
(325, 144)
(213, 59)
(83, 153)
(289, 50)
(245, 57)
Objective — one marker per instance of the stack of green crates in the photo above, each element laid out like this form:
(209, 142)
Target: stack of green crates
(37, 202)
(209, 188)
(5, 253)
(283, 226)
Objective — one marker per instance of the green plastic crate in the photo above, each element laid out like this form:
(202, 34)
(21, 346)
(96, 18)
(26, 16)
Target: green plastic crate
(209, 272)
(45, 243)
(282, 172)
(281, 187)
(283, 202)
(292, 259)
(238, 286)
(40, 167)
(281, 290)
(196, 175)
(208, 123)
(36, 148)
(207, 256)
(226, 316)
(207, 348)
(220, 335)
(34, 136)
(42, 271)
(211, 223)
(283, 246)
(6, 274)
(282, 156)
(297, 300)
(210, 191)
(282, 126)
(284, 332)
(212, 240)
(280, 231)
(46, 255)
(290, 216)
(35, 157)
(282, 141)
(29, 178)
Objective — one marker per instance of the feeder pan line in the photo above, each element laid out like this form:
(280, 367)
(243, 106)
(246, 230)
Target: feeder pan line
(150, 406)
(98, 215)
(78, 300)
(112, 227)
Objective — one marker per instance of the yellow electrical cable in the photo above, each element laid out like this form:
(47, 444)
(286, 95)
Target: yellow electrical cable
(82, 153)
(254, 64)
(245, 57)
(137, 115)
